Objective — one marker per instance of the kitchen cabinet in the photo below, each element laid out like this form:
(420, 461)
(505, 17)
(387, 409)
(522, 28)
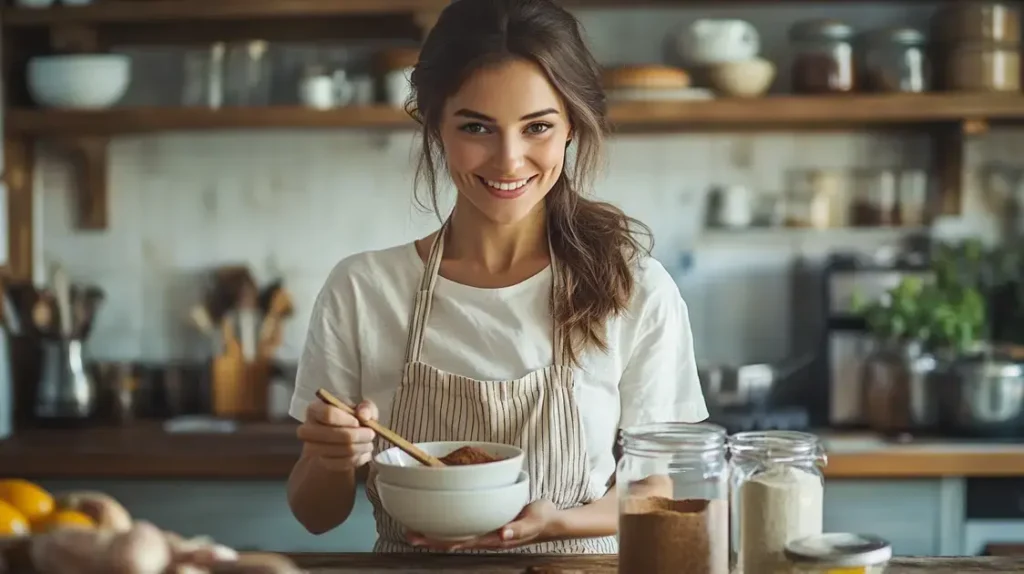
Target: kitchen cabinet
(919, 517)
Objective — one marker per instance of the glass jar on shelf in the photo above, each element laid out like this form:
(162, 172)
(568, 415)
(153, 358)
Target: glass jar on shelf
(824, 57)
(874, 198)
(912, 200)
(777, 495)
(673, 485)
(896, 60)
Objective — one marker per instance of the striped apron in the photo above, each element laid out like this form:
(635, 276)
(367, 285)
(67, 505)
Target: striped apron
(536, 413)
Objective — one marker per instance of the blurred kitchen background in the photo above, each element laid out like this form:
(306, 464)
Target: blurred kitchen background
(769, 235)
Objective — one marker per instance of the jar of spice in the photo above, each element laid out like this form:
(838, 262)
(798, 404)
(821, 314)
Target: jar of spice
(673, 489)
(777, 495)
(895, 60)
(838, 553)
(824, 59)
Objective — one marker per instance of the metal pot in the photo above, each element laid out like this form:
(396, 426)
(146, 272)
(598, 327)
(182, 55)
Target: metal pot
(982, 397)
(899, 392)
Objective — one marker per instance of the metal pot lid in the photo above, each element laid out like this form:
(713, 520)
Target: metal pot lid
(840, 549)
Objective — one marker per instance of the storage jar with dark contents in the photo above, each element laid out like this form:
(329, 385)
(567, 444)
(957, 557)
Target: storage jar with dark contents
(982, 67)
(824, 60)
(673, 487)
(896, 60)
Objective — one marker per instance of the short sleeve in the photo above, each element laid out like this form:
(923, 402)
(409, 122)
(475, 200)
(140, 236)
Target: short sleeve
(330, 356)
(660, 381)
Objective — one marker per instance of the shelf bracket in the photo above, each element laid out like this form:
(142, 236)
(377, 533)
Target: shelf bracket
(89, 158)
(948, 159)
(19, 167)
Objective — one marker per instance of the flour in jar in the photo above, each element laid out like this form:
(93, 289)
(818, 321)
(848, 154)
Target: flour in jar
(779, 505)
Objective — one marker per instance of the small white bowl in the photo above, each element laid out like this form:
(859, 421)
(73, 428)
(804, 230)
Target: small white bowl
(745, 79)
(79, 81)
(397, 468)
(455, 514)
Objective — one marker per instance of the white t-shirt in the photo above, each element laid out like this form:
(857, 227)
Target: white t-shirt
(359, 325)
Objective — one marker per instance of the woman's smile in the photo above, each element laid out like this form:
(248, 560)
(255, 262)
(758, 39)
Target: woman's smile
(507, 188)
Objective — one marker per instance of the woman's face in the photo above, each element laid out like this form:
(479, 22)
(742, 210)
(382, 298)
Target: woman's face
(504, 135)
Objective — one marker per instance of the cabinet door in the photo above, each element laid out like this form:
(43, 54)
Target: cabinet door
(919, 517)
(249, 515)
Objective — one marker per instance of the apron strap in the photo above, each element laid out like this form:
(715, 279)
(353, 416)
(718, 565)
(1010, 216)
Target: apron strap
(425, 297)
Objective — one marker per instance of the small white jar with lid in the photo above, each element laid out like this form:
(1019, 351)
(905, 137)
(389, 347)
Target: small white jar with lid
(838, 553)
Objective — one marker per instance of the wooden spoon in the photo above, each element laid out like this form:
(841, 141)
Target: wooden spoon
(406, 446)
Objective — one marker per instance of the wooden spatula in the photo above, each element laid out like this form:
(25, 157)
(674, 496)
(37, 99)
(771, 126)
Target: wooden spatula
(390, 435)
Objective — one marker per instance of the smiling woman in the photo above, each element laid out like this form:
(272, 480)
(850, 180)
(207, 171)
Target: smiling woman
(533, 317)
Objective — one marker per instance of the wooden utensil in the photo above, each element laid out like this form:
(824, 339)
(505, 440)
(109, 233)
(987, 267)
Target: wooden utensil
(406, 446)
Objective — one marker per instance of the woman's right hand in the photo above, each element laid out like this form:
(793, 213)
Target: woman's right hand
(335, 438)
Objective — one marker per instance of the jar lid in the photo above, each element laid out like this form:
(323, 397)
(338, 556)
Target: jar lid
(900, 35)
(824, 28)
(840, 549)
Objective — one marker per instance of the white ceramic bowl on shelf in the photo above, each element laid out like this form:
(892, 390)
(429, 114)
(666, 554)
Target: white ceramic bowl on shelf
(398, 468)
(745, 79)
(79, 81)
(454, 514)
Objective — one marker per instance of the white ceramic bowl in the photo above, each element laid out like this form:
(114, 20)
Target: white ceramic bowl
(79, 81)
(454, 514)
(399, 469)
(746, 79)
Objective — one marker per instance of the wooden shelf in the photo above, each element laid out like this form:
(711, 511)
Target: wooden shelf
(196, 10)
(774, 113)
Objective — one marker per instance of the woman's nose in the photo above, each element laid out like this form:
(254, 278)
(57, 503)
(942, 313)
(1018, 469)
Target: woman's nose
(511, 155)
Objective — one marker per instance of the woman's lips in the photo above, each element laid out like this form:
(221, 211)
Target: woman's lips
(507, 189)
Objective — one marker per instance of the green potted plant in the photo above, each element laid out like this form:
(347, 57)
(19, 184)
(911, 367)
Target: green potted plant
(913, 325)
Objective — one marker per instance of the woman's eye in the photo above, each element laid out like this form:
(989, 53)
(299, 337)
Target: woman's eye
(537, 128)
(474, 128)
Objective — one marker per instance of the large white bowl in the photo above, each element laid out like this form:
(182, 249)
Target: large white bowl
(79, 81)
(397, 468)
(455, 514)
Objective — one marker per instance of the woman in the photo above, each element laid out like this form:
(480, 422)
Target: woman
(535, 306)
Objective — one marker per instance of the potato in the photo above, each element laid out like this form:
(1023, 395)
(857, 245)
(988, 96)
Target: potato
(257, 563)
(107, 513)
(71, 551)
(141, 550)
(198, 551)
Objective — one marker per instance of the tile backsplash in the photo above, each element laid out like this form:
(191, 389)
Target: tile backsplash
(293, 203)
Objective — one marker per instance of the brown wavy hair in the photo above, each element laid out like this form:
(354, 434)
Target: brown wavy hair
(597, 244)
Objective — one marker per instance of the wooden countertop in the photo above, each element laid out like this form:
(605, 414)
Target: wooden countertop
(268, 451)
(590, 564)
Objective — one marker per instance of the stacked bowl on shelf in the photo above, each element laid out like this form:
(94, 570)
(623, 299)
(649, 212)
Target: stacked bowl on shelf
(455, 502)
(727, 54)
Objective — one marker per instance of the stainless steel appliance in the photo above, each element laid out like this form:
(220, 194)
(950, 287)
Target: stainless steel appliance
(847, 343)
(742, 398)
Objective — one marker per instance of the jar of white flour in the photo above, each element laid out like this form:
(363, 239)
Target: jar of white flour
(777, 496)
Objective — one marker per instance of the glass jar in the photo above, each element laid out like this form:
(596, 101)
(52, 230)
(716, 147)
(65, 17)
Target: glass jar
(777, 490)
(673, 487)
(874, 198)
(896, 60)
(982, 67)
(838, 553)
(824, 57)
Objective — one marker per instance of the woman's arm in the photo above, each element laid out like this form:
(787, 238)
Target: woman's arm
(598, 518)
(322, 497)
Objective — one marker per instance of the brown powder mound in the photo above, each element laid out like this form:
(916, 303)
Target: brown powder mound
(467, 455)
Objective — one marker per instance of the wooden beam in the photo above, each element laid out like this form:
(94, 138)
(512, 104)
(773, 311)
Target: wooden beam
(19, 165)
(89, 159)
(948, 162)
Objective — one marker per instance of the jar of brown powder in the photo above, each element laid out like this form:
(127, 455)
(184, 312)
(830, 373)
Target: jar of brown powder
(673, 488)
(824, 58)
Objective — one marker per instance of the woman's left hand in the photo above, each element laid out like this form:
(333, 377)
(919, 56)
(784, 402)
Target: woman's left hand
(533, 524)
